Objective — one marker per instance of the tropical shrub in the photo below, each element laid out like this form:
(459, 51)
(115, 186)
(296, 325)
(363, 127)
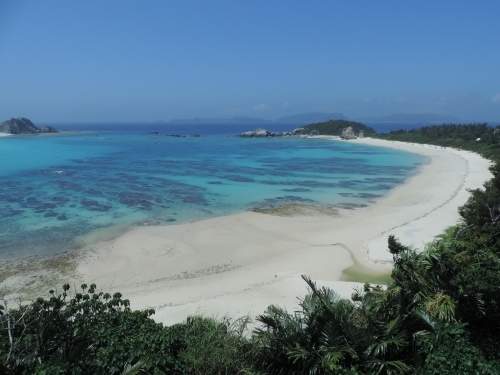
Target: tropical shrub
(216, 346)
(85, 332)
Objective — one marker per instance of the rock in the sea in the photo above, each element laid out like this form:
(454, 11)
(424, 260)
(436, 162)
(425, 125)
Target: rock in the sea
(261, 133)
(22, 125)
(258, 133)
(298, 131)
(48, 129)
(348, 133)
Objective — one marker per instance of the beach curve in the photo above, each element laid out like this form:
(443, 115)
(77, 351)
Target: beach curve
(240, 264)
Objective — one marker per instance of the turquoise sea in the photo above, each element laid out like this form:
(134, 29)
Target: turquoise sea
(55, 188)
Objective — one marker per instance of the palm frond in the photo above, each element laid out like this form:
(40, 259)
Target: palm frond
(442, 307)
(140, 366)
(378, 366)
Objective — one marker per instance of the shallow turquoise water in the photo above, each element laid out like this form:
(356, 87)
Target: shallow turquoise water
(55, 188)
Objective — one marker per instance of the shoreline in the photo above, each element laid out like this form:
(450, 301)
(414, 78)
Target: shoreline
(240, 264)
(433, 221)
(23, 135)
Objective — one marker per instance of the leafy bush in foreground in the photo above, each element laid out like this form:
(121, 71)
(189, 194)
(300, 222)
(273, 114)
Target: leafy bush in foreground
(440, 314)
(84, 333)
(91, 332)
(216, 346)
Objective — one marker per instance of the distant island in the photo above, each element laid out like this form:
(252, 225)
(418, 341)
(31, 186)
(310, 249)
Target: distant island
(413, 117)
(234, 120)
(298, 118)
(317, 117)
(312, 117)
(22, 125)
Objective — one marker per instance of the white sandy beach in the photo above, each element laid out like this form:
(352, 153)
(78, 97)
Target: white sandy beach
(240, 264)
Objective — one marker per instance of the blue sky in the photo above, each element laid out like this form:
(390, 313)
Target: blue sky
(104, 61)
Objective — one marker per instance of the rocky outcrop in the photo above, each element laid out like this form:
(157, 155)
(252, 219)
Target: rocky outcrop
(48, 129)
(263, 133)
(260, 133)
(19, 125)
(298, 131)
(348, 133)
(361, 134)
(22, 125)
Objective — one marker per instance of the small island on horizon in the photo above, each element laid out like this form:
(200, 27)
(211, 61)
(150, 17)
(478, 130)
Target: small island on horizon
(22, 125)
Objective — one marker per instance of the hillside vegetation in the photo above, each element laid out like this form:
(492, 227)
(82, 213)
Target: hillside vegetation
(335, 127)
(480, 138)
(440, 314)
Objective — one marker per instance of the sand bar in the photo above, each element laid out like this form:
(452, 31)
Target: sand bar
(239, 264)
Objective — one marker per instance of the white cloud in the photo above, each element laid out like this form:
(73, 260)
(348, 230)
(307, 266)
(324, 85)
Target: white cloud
(260, 107)
(495, 98)
(285, 105)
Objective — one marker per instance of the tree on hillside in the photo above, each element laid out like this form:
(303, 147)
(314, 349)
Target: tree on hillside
(483, 206)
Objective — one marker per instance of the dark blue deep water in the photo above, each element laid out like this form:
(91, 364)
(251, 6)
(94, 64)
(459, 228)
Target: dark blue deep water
(58, 187)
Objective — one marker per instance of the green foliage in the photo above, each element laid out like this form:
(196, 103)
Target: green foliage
(140, 366)
(445, 296)
(449, 135)
(451, 352)
(332, 336)
(396, 248)
(455, 280)
(86, 333)
(216, 346)
(319, 339)
(96, 333)
(440, 314)
(335, 127)
(483, 206)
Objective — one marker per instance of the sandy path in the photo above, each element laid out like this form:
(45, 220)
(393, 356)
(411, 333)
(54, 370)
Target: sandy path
(242, 263)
